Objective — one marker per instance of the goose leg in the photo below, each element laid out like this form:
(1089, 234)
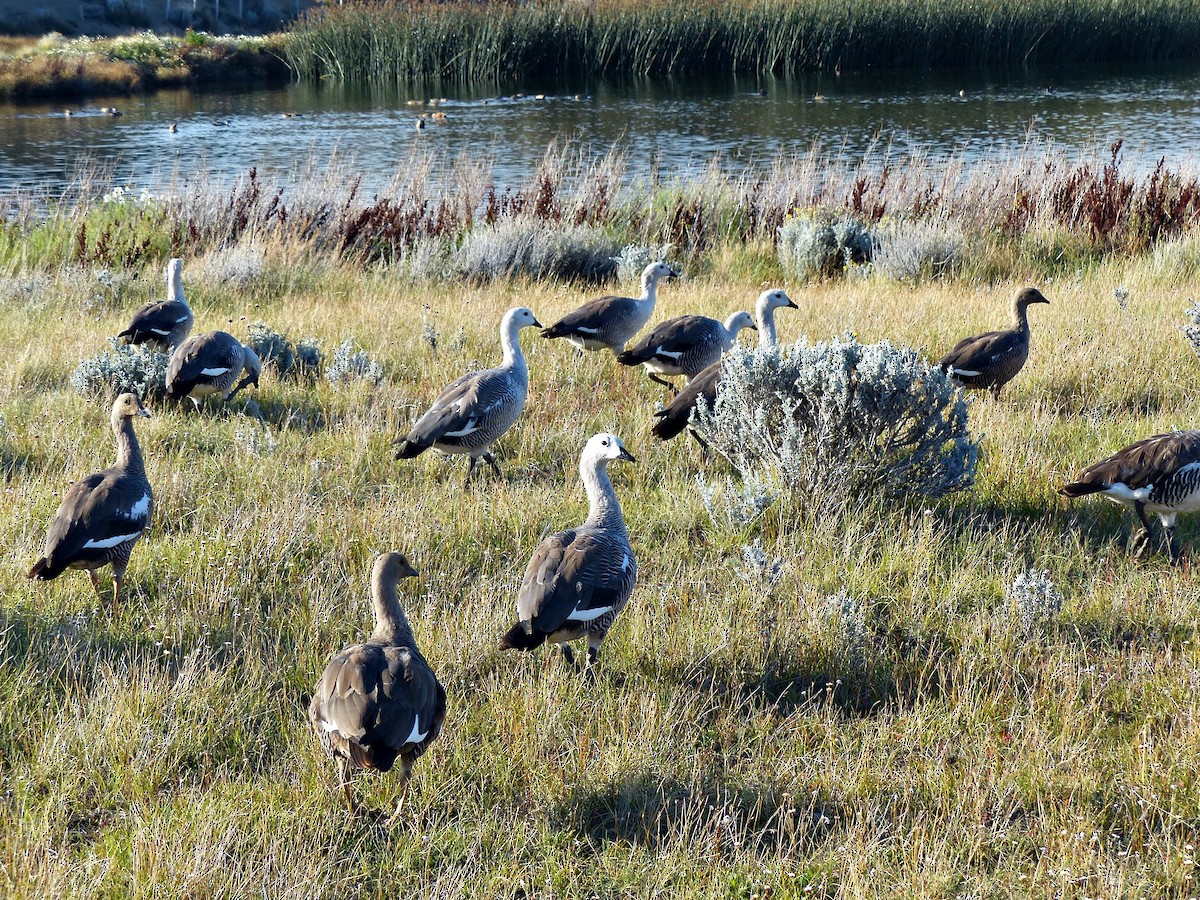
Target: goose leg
(1141, 540)
(1168, 526)
(568, 653)
(95, 582)
(470, 469)
(343, 772)
(487, 457)
(663, 382)
(403, 793)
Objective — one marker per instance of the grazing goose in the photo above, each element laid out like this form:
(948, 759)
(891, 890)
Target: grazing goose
(991, 360)
(675, 416)
(477, 409)
(165, 323)
(611, 322)
(102, 516)
(579, 580)
(379, 701)
(209, 363)
(685, 345)
(1160, 474)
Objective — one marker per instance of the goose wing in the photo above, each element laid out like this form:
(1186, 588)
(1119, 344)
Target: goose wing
(97, 513)
(591, 319)
(377, 702)
(155, 321)
(674, 417)
(670, 340)
(577, 575)
(1140, 464)
(463, 407)
(973, 356)
(200, 360)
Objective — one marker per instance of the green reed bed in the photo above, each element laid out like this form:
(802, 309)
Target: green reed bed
(500, 41)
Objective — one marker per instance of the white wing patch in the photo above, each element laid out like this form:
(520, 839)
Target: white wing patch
(670, 354)
(625, 562)
(106, 543)
(164, 332)
(139, 509)
(967, 372)
(470, 427)
(1122, 492)
(588, 615)
(416, 735)
(213, 373)
(586, 329)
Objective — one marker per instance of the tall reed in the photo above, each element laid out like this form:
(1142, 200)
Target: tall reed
(396, 41)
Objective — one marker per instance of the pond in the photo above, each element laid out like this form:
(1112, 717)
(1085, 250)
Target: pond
(676, 125)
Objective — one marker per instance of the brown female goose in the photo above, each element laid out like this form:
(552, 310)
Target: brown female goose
(1160, 474)
(678, 413)
(209, 363)
(685, 345)
(991, 360)
(379, 702)
(165, 323)
(611, 322)
(475, 411)
(102, 516)
(579, 580)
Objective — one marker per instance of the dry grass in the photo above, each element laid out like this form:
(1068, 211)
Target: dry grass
(738, 741)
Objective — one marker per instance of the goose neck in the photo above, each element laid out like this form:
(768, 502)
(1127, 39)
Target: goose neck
(1020, 318)
(514, 359)
(767, 336)
(129, 452)
(175, 286)
(391, 625)
(605, 511)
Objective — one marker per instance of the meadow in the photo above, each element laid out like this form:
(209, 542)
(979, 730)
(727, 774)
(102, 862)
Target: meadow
(853, 704)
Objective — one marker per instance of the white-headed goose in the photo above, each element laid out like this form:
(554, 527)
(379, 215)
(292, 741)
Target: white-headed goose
(165, 323)
(474, 411)
(210, 363)
(1160, 474)
(611, 322)
(579, 580)
(379, 702)
(673, 418)
(686, 345)
(102, 516)
(991, 360)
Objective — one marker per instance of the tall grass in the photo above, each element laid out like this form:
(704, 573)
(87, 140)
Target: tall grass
(500, 41)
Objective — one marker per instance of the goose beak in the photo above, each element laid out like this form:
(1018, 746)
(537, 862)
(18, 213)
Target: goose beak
(411, 573)
(792, 304)
(537, 324)
(626, 455)
(142, 411)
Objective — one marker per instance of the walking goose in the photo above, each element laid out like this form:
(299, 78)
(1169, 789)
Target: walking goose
(474, 411)
(991, 360)
(103, 515)
(673, 418)
(1160, 474)
(685, 345)
(579, 580)
(209, 363)
(611, 322)
(165, 323)
(378, 702)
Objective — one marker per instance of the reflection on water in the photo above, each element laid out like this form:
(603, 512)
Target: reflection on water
(676, 125)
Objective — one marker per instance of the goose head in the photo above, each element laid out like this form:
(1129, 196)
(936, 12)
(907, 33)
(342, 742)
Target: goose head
(391, 567)
(773, 298)
(126, 406)
(252, 364)
(520, 317)
(605, 446)
(1028, 296)
(739, 320)
(657, 270)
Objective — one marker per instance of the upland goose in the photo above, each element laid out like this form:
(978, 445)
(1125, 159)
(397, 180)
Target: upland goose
(103, 515)
(1160, 474)
(611, 322)
(686, 345)
(991, 360)
(379, 702)
(477, 409)
(673, 418)
(579, 580)
(209, 363)
(165, 323)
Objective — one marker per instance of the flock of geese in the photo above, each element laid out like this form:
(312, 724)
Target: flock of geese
(378, 702)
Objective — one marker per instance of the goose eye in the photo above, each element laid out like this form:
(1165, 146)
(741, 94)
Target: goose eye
(605, 442)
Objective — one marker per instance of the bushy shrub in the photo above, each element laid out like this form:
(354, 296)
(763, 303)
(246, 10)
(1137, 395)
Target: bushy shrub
(302, 361)
(1035, 600)
(818, 243)
(239, 265)
(1192, 330)
(912, 251)
(351, 364)
(537, 250)
(633, 259)
(838, 628)
(837, 421)
(139, 370)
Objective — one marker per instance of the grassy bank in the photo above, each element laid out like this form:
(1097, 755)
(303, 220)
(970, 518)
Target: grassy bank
(498, 42)
(58, 67)
(744, 738)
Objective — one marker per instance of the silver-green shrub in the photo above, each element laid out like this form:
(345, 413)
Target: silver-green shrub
(302, 361)
(535, 249)
(838, 421)
(633, 259)
(123, 368)
(1192, 330)
(819, 243)
(1035, 600)
(353, 364)
(915, 251)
